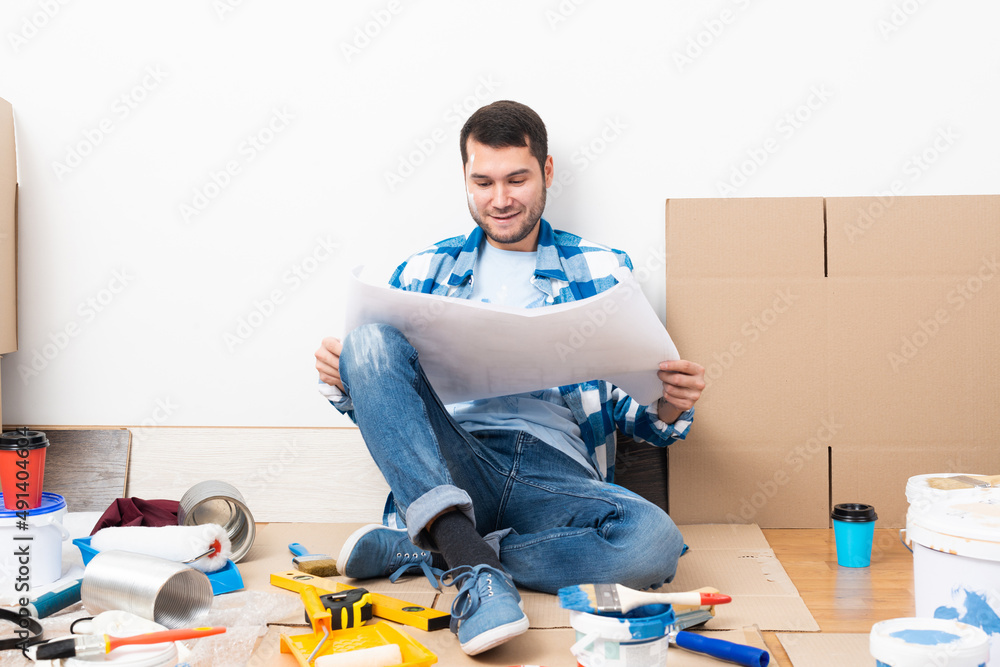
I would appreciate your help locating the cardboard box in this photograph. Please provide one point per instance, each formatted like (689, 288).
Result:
(848, 345)
(8, 233)
(914, 285)
(746, 299)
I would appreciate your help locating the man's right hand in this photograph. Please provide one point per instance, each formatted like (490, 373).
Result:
(328, 362)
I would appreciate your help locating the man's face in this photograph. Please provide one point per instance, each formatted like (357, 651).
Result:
(506, 189)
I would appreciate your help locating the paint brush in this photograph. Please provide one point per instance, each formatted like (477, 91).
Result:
(615, 598)
(84, 645)
(318, 565)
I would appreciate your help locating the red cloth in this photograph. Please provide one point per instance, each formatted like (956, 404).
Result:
(139, 512)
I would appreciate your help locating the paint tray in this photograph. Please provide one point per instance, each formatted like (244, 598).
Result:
(351, 639)
(226, 580)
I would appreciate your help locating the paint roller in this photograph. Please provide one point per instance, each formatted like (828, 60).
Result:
(205, 547)
(386, 655)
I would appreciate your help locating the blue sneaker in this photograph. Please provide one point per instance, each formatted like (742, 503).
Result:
(377, 551)
(488, 610)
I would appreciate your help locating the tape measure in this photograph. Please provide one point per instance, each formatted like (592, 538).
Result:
(391, 609)
(348, 609)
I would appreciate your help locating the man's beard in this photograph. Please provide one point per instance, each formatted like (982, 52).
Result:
(515, 235)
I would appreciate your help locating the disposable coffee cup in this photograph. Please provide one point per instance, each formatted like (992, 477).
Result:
(22, 468)
(854, 528)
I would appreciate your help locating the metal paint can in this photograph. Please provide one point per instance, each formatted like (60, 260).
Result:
(213, 501)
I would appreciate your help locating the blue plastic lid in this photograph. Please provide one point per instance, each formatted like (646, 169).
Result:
(51, 502)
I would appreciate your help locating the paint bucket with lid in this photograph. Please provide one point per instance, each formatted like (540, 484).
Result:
(928, 642)
(217, 502)
(925, 490)
(32, 546)
(956, 559)
(635, 639)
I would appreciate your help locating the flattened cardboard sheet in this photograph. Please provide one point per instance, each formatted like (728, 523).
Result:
(537, 647)
(762, 592)
(825, 649)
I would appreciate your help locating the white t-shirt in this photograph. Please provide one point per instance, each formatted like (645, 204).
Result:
(503, 278)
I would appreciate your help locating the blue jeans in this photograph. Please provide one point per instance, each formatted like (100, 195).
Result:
(552, 524)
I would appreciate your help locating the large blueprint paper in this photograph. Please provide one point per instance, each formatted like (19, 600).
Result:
(471, 350)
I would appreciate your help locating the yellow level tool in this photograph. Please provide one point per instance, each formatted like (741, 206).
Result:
(383, 606)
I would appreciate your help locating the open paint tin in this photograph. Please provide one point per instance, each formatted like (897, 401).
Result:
(635, 639)
(928, 642)
(217, 502)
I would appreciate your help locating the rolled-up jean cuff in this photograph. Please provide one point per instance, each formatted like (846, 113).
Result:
(494, 538)
(432, 503)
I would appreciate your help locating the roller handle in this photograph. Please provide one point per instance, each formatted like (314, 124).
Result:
(57, 600)
(161, 637)
(318, 615)
(297, 549)
(741, 654)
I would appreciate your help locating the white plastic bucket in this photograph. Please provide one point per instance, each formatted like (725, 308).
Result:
(956, 560)
(928, 642)
(923, 491)
(615, 641)
(34, 551)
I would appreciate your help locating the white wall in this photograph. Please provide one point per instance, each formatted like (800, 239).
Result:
(125, 109)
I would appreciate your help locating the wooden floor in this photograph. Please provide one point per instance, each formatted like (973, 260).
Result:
(843, 599)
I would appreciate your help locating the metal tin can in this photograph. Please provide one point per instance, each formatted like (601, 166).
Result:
(213, 501)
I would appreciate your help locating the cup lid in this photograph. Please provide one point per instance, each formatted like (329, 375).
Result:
(22, 438)
(853, 512)
(51, 502)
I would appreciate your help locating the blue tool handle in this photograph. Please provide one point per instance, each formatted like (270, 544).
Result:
(57, 600)
(741, 654)
(298, 549)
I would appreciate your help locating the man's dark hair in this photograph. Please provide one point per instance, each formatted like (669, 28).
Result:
(504, 124)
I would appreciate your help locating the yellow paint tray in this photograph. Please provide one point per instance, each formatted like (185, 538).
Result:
(351, 639)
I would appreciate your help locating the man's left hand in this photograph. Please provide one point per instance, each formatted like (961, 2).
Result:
(683, 382)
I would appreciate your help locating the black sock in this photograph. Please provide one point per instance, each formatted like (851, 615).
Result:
(457, 540)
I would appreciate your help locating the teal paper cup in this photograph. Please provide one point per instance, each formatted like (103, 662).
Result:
(854, 528)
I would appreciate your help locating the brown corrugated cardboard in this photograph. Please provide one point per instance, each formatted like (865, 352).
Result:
(857, 331)
(736, 559)
(8, 231)
(913, 302)
(746, 298)
(826, 649)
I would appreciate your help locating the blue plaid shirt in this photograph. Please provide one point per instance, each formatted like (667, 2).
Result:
(568, 268)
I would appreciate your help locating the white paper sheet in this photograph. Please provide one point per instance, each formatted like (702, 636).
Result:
(471, 350)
